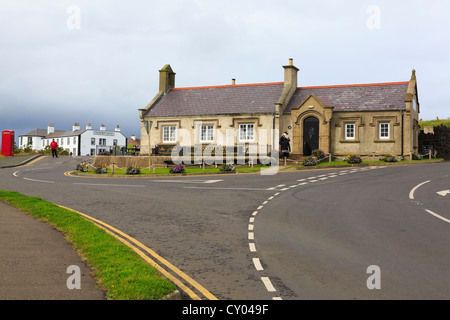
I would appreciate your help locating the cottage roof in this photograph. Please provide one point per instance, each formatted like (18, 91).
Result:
(35, 133)
(61, 134)
(360, 97)
(229, 99)
(261, 98)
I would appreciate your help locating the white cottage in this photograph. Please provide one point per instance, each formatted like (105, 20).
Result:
(79, 142)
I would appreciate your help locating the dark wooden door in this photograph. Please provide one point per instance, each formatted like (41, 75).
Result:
(310, 135)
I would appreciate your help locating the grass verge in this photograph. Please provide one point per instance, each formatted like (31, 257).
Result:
(117, 268)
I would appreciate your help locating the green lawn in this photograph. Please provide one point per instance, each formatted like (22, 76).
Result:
(117, 267)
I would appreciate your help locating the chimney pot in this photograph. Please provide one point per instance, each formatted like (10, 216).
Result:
(88, 126)
(233, 81)
(76, 126)
(50, 128)
(291, 61)
(102, 127)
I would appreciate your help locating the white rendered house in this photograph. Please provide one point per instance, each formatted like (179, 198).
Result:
(79, 142)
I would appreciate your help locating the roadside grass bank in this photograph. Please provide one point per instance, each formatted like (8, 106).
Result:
(116, 267)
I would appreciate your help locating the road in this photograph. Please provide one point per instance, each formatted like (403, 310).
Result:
(298, 235)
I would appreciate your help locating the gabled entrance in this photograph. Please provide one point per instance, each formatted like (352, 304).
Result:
(311, 124)
(310, 135)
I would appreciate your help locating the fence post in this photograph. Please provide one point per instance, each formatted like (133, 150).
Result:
(429, 154)
(410, 157)
(373, 157)
(203, 165)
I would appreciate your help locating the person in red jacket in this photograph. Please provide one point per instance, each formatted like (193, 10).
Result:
(54, 147)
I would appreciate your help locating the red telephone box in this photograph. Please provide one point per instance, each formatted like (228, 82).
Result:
(7, 143)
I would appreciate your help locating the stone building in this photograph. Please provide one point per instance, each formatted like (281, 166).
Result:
(362, 119)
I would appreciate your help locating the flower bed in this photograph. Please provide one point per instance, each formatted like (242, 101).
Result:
(310, 161)
(353, 159)
(389, 158)
(132, 170)
(179, 168)
(228, 167)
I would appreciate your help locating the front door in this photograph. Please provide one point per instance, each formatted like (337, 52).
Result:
(310, 135)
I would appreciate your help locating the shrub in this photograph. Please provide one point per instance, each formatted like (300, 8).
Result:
(267, 161)
(83, 167)
(132, 170)
(178, 169)
(228, 167)
(101, 169)
(389, 158)
(310, 161)
(319, 154)
(352, 159)
(416, 156)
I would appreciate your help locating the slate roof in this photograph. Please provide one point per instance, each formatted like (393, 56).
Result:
(69, 133)
(35, 133)
(365, 97)
(230, 99)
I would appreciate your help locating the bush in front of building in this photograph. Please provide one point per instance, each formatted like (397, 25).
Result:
(319, 154)
(132, 170)
(416, 156)
(83, 167)
(179, 168)
(101, 169)
(228, 167)
(310, 161)
(389, 158)
(267, 161)
(353, 159)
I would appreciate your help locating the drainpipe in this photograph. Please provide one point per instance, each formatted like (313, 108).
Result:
(273, 134)
(402, 133)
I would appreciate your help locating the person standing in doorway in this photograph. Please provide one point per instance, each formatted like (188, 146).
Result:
(54, 147)
(285, 145)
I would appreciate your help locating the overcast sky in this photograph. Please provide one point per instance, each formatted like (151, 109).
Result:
(98, 61)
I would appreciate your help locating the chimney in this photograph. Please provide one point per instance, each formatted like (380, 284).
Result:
(166, 79)
(133, 137)
(88, 126)
(117, 129)
(102, 127)
(233, 82)
(76, 126)
(50, 128)
(290, 74)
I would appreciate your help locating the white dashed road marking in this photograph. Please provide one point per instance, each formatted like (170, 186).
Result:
(251, 235)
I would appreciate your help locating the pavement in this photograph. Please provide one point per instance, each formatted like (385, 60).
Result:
(35, 257)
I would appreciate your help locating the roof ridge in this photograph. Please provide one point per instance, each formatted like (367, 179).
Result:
(356, 85)
(230, 86)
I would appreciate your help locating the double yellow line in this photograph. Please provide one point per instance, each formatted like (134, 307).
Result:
(139, 248)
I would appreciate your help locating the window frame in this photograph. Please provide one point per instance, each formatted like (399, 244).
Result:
(346, 131)
(382, 131)
(209, 133)
(172, 130)
(247, 137)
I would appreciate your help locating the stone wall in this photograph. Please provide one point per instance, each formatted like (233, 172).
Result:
(439, 140)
